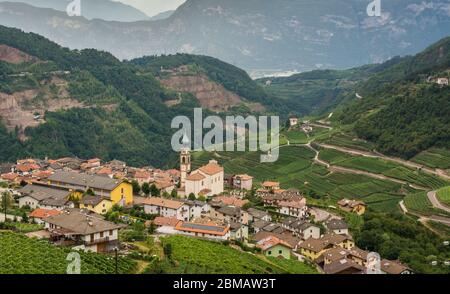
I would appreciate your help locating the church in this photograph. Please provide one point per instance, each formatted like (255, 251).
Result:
(206, 181)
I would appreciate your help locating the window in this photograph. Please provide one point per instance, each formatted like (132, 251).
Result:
(280, 251)
(111, 232)
(269, 252)
(101, 234)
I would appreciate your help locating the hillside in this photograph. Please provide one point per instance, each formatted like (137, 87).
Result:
(403, 110)
(56, 102)
(254, 34)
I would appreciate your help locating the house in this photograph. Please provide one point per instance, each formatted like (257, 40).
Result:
(97, 204)
(165, 225)
(259, 225)
(293, 121)
(242, 182)
(238, 232)
(39, 214)
(119, 192)
(206, 181)
(357, 207)
(442, 81)
(10, 177)
(293, 241)
(274, 228)
(301, 228)
(166, 208)
(355, 255)
(270, 186)
(209, 231)
(274, 247)
(256, 214)
(197, 209)
(337, 226)
(343, 266)
(230, 214)
(314, 248)
(230, 201)
(42, 196)
(294, 208)
(165, 186)
(142, 176)
(84, 229)
(394, 268)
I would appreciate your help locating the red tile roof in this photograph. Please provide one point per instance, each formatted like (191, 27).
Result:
(43, 213)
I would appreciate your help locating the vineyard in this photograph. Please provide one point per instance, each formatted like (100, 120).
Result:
(22, 255)
(444, 195)
(434, 158)
(195, 256)
(419, 203)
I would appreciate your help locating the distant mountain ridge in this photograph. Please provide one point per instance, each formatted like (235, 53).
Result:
(255, 34)
(93, 9)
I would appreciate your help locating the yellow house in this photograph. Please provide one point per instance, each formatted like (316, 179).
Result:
(314, 248)
(357, 207)
(96, 204)
(118, 191)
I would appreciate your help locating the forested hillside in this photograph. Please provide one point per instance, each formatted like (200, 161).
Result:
(92, 104)
(403, 110)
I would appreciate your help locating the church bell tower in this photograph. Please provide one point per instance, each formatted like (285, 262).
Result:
(185, 161)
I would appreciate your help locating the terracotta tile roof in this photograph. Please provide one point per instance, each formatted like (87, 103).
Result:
(142, 175)
(292, 204)
(204, 192)
(104, 171)
(245, 177)
(211, 168)
(392, 267)
(166, 221)
(9, 176)
(43, 213)
(172, 204)
(195, 177)
(343, 265)
(163, 185)
(269, 184)
(210, 229)
(42, 174)
(232, 201)
(270, 242)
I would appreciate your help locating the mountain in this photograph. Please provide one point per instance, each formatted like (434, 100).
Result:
(93, 9)
(58, 102)
(255, 34)
(162, 15)
(403, 109)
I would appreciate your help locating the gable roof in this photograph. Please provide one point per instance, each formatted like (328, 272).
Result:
(272, 241)
(93, 200)
(43, 213)
(41, 192)
(202, 228)
(392, 267)
(85, 180)
(195, 177)
(211, 168)
(342, 265)
(155, 201)
(336, 224)
(81, 222)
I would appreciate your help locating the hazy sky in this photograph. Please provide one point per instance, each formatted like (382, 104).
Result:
(152, 7)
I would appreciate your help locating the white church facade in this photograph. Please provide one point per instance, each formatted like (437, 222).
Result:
(206, 181)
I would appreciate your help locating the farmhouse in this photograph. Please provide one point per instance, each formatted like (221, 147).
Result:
(357, 207)
(39, 214)
(293, 121)
(78, 227)
(166, 208)
(119, 192)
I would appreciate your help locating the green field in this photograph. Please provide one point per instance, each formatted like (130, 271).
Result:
(295, 169)
(22, 255)
(444, 195)
(434, 158)
(195, 256)
(419, 203)
(345, 140)
(381, 166)
(296, 137)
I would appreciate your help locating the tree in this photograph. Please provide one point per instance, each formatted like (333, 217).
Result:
(174, 193)
(25, 217)
(152, 228)
(168, 251)
(192, 197)
(136, 187)
(154, 191)
(146, 189)
(202, 198)
(166, 195)
(6, 202)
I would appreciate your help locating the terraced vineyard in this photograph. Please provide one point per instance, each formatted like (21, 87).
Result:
(444, 195)
(434, 158)
(195, 256)
(344, 140)
(295, 169)
(22, 255)
(381, 166)
(420, 203)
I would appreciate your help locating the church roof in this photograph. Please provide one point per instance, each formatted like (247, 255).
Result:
(211, 168)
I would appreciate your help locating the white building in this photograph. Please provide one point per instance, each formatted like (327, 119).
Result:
(207, 231)
(296, 209)
(167, 208)
(337, 226)
(197, 209)
(206, 181)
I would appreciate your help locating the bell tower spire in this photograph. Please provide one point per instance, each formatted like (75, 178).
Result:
(185, 160)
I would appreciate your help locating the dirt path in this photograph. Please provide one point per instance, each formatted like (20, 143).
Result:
(435, 201)
(437, 172)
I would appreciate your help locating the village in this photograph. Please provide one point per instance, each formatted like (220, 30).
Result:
(77, 203)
